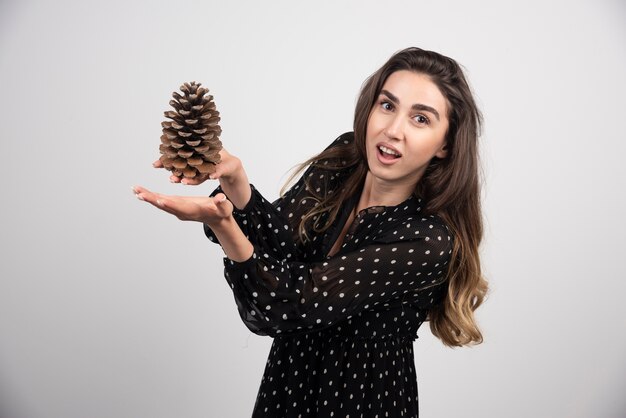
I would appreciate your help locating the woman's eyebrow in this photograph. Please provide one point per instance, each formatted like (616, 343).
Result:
(416, 106)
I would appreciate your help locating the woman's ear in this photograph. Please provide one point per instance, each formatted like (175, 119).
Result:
(443, 151)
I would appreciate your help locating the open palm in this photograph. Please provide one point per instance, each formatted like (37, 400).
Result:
(208, 210)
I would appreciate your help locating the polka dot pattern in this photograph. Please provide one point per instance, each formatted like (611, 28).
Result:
(343, 325)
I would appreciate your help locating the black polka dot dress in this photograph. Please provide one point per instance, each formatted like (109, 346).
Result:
(343, 325)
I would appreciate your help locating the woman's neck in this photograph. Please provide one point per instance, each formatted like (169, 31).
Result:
(379, 193)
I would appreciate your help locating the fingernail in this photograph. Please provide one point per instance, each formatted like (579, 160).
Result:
(223, 199)
(134, 191)
(140, 197)
(211, 177)
(160, 203)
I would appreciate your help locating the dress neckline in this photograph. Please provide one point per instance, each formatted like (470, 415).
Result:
(350, 208)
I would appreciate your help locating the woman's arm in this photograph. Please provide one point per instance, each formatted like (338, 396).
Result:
(233, 179)
(272, 226)
(234, 243)
(277, 297)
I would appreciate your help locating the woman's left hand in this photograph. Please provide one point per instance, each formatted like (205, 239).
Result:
(208, 210)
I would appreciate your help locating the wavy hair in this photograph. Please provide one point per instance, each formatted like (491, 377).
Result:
(450, 186)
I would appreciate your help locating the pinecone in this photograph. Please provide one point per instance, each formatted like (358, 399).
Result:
(190, 142)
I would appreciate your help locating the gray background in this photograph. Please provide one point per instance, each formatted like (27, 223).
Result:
(110, 308)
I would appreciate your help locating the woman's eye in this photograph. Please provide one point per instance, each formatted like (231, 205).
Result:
(386, 105)
(422, 119)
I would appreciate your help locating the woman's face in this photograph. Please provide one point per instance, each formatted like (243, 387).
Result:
(406, 129)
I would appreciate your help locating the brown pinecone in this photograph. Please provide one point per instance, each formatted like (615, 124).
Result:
(190, 141)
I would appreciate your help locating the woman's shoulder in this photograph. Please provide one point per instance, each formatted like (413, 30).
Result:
(334, 160)
(435, 226)
(324, 172)
(430, 233)
(343, 139)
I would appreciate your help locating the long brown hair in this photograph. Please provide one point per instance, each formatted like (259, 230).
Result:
(450, 187)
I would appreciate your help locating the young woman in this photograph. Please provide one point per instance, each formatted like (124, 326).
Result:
(380, 234)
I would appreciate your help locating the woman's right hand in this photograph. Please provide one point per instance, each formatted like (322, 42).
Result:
(227, 169)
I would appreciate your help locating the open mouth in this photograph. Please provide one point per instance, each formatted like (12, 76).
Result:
(387, 154)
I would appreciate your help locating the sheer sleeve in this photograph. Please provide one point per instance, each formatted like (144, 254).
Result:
(263, 224)
(272, 225)
(277, 297)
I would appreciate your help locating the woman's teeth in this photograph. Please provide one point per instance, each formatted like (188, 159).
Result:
(388, 151)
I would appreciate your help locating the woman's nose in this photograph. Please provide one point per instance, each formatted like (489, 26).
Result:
(395, 127)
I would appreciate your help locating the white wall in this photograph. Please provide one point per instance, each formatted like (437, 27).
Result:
(109, 308)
